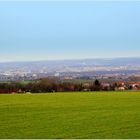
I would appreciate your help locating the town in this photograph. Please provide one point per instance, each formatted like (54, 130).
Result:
(70, 75)
(55, 84)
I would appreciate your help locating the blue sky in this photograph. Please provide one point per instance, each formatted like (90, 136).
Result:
(68, 30)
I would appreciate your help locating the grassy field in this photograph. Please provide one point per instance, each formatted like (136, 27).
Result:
(71, 115)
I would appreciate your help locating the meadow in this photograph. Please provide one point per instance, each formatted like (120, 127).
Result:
(70, 115)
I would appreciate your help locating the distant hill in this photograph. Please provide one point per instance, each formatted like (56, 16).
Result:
(77, 62)
(120, 67)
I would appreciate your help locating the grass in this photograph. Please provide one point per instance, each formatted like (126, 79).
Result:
(70, 115)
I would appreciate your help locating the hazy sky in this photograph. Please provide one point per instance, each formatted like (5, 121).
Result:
(68, 30)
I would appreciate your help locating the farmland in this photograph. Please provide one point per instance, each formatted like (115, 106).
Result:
(70, 115)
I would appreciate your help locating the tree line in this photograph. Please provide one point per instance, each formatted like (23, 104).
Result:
(47, 85)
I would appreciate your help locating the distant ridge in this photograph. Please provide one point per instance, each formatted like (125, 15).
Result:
(58, 65)
(93, 61)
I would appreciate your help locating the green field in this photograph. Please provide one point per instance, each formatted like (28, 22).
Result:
(71, 115)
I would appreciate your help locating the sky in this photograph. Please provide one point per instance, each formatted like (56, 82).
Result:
(54, 30)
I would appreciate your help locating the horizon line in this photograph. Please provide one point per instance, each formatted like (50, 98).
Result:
(69, 59)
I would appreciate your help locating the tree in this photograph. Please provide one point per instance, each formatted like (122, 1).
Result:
(97, 85)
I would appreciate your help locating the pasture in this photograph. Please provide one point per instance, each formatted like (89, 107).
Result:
(70, 115)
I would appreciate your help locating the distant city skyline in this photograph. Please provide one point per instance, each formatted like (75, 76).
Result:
(69, 30)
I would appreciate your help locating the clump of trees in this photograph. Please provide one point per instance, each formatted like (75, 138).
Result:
(47, 85)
